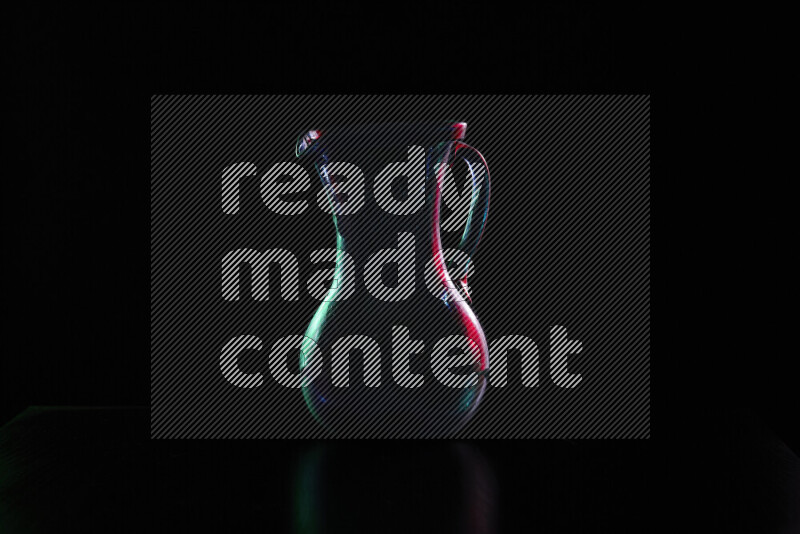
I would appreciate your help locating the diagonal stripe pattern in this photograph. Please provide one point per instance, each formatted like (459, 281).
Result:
(565, 260)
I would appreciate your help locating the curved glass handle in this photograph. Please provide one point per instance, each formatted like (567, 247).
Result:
(479, 205)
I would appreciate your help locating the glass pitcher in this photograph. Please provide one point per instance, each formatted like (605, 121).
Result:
(395, 349)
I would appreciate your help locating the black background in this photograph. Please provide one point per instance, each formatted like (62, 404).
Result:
(77, 217)
(76, 234)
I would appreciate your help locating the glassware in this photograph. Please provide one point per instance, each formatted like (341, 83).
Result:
(395, 352)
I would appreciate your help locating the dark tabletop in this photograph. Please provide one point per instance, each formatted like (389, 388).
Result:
(96, 470)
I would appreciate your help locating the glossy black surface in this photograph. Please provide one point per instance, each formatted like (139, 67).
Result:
(95, 470)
